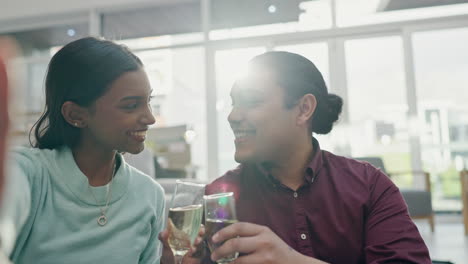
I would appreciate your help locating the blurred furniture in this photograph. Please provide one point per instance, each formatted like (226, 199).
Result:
(419, 201)
(169, 145)
(464, 197)
(172, 151)
(143, 161)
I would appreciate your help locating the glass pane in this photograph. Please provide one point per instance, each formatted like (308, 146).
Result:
(358, 12)
(245, 18)
(378, 123)
(28, 100)
(315, 52)
(441, 62)
(227, 63)
(36, 89)
(177, 79)
(37, 47)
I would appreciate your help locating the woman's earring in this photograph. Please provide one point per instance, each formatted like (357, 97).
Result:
(75, 124)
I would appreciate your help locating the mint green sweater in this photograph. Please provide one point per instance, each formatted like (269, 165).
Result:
(50, 217)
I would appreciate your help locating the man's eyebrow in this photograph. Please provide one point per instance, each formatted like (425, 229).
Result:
(131, 98)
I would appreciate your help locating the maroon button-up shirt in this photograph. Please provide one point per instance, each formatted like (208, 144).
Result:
(346, 212)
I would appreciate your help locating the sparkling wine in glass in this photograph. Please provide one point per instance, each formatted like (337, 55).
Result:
(220, 211)
(185, 216)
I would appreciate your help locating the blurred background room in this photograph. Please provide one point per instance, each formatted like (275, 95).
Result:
(401, 67)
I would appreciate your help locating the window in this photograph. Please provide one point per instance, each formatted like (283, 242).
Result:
(378, 123)
(440, 66)
(177, 79)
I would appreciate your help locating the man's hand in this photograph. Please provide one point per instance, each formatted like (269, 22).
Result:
(259, 243)
(190, 258)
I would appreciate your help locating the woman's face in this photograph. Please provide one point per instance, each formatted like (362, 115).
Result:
(120, 118)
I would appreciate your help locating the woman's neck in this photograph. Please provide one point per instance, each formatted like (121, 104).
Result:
(97, 165)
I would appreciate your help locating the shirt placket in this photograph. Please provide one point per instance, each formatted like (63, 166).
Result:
(302, 229)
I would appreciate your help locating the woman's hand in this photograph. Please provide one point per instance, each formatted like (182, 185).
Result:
(192, 257)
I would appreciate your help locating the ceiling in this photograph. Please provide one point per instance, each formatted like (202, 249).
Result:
(169, 18)
(176, 17)
(45, 38)
(392, 5)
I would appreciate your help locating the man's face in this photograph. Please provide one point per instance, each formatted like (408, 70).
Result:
(264, 129)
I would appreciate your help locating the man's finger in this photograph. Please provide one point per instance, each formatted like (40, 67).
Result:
(244, 245)
(238, 229)
(248, 259)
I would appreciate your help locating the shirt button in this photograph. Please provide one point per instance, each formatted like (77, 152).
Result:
(295, 194)
(303, 236)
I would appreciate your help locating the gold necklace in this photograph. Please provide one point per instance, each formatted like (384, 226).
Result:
(102, 219)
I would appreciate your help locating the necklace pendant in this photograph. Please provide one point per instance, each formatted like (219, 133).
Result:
(102, 220)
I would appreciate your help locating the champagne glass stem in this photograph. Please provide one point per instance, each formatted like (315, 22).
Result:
(178, 259)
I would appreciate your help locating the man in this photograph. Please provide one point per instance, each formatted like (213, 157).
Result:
(296, 202)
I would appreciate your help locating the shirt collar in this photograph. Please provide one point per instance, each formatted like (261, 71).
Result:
(310, 173)
(316, 162)
(78, 183)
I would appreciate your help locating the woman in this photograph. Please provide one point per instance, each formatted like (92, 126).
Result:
(72, 198)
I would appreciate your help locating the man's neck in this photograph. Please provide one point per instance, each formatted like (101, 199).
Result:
(290, 170)
(95, 163)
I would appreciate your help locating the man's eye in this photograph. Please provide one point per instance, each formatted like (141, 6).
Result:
(249, 102)
(130, 106)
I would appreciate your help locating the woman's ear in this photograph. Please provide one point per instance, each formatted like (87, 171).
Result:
(307, 105)
(74, 114)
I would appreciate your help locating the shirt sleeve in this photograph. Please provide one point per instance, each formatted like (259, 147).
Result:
(391, 236)
(16, 202)
(153, 250)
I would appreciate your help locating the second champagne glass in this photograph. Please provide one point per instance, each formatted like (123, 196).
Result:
(220, 211)
(185, 216)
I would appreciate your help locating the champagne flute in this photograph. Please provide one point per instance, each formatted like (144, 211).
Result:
(220, 211)
(185, 216)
